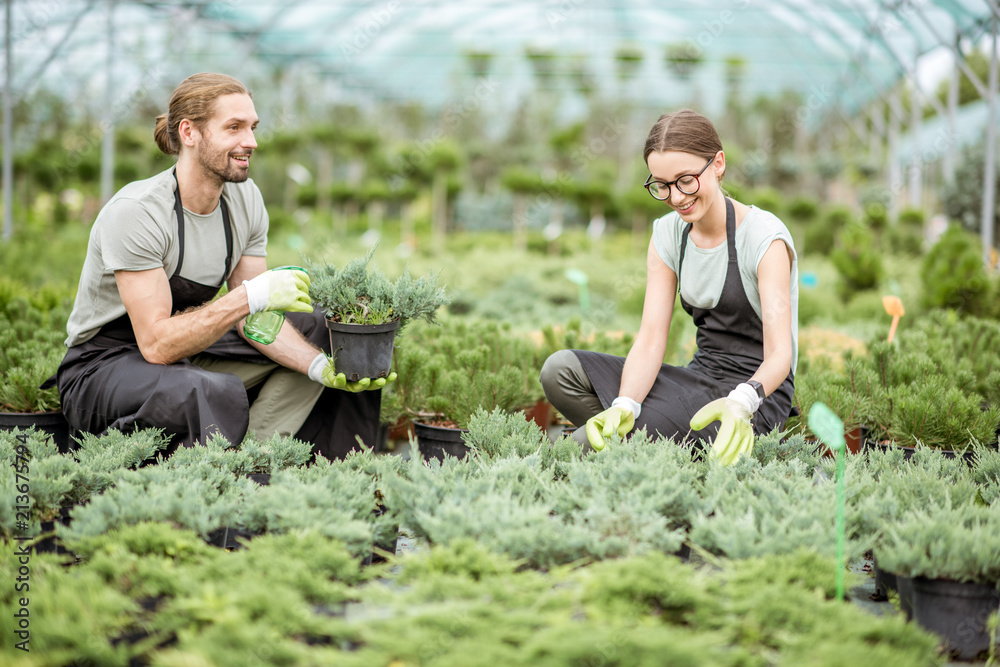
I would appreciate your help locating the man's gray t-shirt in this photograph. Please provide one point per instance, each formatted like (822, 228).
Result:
(704, 271)
(137, 231)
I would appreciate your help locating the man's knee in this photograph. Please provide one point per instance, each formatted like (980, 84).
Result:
(212, 387)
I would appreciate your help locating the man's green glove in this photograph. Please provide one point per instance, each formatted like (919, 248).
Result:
(735, 436)
(322, 370)
(619, 418)
(279, 289)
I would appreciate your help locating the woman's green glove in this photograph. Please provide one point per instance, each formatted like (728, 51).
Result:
(616, 419)
(735, 436)
(322, 370)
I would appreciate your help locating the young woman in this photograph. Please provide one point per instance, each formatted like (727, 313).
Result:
(735, 268)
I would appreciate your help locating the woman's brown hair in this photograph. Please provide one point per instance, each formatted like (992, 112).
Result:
(685, 131)
(193, 99)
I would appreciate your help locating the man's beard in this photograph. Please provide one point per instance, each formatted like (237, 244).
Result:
(217, 165)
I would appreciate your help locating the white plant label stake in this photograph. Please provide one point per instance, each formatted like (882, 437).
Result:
(579, 278)
(829, 429)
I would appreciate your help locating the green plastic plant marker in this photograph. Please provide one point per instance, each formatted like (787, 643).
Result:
(578, 277)
(829, 429)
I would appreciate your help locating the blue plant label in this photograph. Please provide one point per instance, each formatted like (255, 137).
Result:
(827, 426)
(809, 280)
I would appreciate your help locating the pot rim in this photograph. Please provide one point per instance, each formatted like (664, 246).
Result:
(363, 328)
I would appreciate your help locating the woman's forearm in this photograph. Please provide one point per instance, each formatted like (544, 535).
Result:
(642, 365)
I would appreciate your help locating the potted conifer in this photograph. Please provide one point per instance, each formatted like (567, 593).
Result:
(449, 373)
(925, 393)
(31, 347)
(952, 557)
(366, 310)
(935, 387)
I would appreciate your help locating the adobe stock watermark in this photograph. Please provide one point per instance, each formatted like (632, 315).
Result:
(904, 9)
(712, 29)
(124, 106)
(581, 157)
(607, 651)
(371, 27)
(266, 131)
(942, 141)
(819, 97)
(604, 312)
(453, 116)
(445, 640)
(562, 11)
(39, 17)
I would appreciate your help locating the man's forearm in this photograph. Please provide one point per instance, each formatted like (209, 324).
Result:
(192, 331)
(289, 349)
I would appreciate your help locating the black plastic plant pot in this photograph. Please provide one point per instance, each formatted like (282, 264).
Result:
(388, 543)
(53, 544)
(904, 586)
(957, 612)
(908, 452)
(260, 478)
(884, 581)
(362, 350)
(226, 537)
(53, 423)
(436, 442)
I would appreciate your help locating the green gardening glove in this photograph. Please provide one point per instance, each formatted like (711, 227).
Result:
(322, 370)
(615, 419)
(735, 436)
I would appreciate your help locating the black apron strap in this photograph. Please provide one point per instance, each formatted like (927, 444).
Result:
(179, 212)
(229, 238)
(730, 239)
(680, 261)
(731, 231)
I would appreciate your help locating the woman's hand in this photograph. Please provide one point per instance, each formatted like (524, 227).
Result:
(735, 436)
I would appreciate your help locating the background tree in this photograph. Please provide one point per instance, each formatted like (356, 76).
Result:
(523, 183)
(443, 160)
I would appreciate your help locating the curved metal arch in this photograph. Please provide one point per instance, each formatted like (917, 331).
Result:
(856, 61)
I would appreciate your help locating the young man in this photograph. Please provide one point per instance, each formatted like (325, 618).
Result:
(151, 346)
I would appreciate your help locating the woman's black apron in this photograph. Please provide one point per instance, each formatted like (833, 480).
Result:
(105, 383)
(730, 340)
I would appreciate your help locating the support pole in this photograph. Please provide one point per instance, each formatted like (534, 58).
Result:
(949, 155)
(960, 60)
(8, 119)
(877, 136)
(990, 175)
(108, 136)
(916, 169)
(895, 169)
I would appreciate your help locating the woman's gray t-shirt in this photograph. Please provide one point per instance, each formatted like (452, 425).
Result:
(704, 271)
(137, 231)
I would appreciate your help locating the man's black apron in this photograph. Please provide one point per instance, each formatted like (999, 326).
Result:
(105, 383)
(730, 342)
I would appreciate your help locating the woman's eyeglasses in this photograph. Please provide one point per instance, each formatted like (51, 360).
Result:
(687, 184)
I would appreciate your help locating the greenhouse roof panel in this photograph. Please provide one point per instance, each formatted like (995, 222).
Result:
(420, 50)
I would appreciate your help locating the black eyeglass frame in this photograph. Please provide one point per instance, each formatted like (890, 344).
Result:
(697, 182)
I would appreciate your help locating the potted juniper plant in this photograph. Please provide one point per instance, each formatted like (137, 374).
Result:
(919, 394)
(462, 390)
(952, 557)
(366, 310)
(31, 347)
(451, 372)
